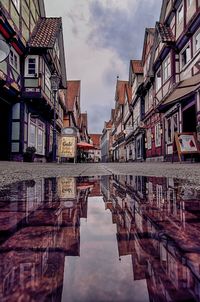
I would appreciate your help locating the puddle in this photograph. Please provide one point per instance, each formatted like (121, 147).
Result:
(119, 238)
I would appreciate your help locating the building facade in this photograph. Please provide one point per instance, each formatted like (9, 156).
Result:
(26, 102)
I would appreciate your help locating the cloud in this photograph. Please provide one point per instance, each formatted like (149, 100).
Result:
(122, 28)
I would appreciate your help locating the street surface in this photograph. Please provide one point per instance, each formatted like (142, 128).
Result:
(14, 171)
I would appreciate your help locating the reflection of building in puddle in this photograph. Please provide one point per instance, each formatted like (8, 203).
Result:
(158, 228)
(39, 226)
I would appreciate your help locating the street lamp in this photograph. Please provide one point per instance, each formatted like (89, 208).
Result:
(55, 81)
(4, 50)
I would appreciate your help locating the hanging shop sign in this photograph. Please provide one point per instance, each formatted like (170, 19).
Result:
(67, 188)
(68, 143)
(68, 147)
(185, 143)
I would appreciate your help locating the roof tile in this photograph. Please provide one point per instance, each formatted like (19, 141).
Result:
(137, 66)
(165, 32)
(45, 33)
(73, 92)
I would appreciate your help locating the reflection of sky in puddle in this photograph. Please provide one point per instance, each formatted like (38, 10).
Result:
(119, 238)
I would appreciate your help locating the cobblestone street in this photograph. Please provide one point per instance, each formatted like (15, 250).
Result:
(13, 171)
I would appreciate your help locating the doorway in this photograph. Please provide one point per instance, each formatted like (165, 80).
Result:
(189, 119)
(4, 130)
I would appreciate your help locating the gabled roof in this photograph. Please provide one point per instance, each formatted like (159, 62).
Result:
(96, 139)
(45, 33)
(108, 124)
(84, 121)
(128, 92)
(137, 66)
(148, 31)
(120, 91)
(73, 92)
(165, 33)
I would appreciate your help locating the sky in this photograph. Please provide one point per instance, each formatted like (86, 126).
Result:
(101, 37)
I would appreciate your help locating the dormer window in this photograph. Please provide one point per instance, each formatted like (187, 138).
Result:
(31, 66)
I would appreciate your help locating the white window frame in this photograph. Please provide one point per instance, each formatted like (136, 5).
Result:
(197, 34)
(158, 135)
(39, 126)
(27, 74)
(158, 80)
(180, 13)
(167, 68)
(14, 60)
(181, 56)
(16, 4)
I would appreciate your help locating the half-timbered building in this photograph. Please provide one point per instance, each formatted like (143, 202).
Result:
(26, 103)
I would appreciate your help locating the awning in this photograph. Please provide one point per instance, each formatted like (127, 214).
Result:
(85, 146)
(185, 89)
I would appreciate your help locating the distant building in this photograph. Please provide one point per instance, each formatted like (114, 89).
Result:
(95, 154)
(105, 142)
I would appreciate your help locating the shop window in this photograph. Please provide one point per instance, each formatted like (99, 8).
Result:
(197, 42)
(166, 69)
(185, 55)
(14, 59)
(169, 130)
(31, 66)
(158, 80)
(37, 135)
(180, 13)
(172, 127)
(149, 139)
(158, 135)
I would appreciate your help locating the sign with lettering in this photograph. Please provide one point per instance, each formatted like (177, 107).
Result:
(67, 188)
(68, 147)
(185, 143)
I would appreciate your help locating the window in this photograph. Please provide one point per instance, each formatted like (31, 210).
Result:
(169, 130)
(37, 135)
(31, 66)
(180, 14)
(185, 56)
(197, 42)
(158, 80)
(158, 135)
(14, 59)
(16, 4)
(166, 69)
(172, 127)
(149, 139)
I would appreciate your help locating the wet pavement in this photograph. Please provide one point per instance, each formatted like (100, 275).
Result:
(103, 238)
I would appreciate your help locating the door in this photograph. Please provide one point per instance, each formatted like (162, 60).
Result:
(189, 119)
(4, 130)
